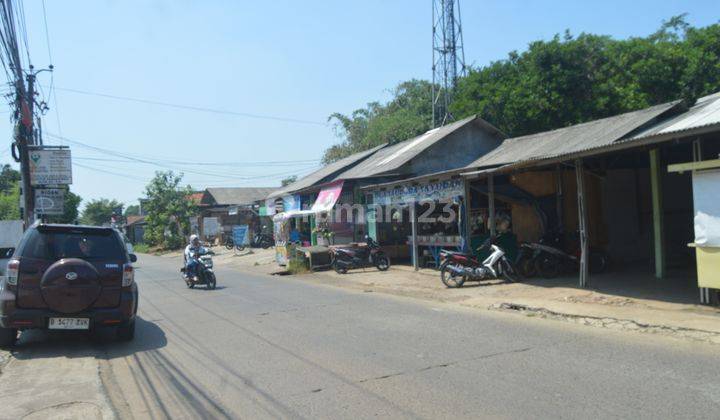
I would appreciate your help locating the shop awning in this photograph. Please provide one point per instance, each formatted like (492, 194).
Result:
(327, 197)
(294, 213)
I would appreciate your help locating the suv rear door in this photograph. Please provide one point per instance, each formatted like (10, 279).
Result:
(47, 244)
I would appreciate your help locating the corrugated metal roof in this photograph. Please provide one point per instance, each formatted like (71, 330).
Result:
(393, 157)
(238, 195)
(704, 113)
(321, 174)
(572, 139)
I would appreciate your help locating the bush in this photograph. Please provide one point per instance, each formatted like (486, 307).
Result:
(141, 248)
(298, 266)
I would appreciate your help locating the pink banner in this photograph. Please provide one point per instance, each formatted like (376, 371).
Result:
(328, 197)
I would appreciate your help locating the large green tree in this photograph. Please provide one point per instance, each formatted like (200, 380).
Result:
(9, 193)
(99, 212)
(555, 83)
(168, 210)
(406, 115)
(132, 210)
(569, 80)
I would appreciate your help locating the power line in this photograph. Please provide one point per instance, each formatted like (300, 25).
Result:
(224, 175)
(193, 107)
(52, 94)
(144, 158)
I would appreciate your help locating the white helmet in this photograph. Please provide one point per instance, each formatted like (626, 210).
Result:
(194, 238)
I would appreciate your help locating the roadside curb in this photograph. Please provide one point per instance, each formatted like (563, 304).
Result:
(611, 323)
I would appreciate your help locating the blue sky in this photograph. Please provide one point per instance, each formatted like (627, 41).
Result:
(294, 59)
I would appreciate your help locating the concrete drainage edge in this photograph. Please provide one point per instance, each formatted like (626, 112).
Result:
(612, 323)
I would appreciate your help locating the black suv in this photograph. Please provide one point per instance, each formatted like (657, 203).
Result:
(66, 277)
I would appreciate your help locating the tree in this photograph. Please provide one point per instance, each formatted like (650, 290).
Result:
(289, 180)
(8, 178)
(99, 212)
(9, 193)
(406, 115)
(168, 210)
(132, 210)
(569, 80)
(10, 203)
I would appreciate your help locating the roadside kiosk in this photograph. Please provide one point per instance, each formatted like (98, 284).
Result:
(706, 204)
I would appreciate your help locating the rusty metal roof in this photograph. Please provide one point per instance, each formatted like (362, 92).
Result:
(394, 156)
(322, 174)
(573, 139)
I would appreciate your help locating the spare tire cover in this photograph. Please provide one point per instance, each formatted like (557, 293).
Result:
(70, 285)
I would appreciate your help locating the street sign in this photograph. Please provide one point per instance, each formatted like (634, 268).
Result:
(49, 201)
(240, 234)
(50, 167)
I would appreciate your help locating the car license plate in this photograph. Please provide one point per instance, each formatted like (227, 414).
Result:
(69, 324)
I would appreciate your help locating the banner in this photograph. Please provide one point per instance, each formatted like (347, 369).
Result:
(240, 234)
(706, 188)
(291, 202)
(327, 197)
(436, 191)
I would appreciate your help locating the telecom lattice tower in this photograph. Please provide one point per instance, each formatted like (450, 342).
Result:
(448, 57)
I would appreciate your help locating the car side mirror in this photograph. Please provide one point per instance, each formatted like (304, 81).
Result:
(133, 258)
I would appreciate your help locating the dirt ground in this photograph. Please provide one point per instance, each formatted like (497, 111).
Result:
(618, 305)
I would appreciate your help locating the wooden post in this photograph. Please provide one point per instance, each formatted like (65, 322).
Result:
(466, 216)
(582, 223)
(413, 224)
(559, 197)
(491, 205)
(656, 188)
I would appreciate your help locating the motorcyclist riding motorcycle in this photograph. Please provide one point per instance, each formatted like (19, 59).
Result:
(194, 248)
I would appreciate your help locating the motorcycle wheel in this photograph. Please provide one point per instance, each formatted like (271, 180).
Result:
(339, 268)
(382, 263)
(449, 278)
(526, 267)
(598, 262)
(228, 245)
(266, 244)
(211, 282)
(547, 266)
(508, 272)
(190, 284)
(240, 247)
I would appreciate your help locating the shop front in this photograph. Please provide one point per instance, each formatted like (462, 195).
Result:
(415, 219)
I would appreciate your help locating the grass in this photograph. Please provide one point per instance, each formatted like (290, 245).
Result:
(297, 266)
(141, 248)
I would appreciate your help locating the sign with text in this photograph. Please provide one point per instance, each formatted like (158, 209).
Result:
(240, 234)
(50, 167)
(436, 191)
(49, 201)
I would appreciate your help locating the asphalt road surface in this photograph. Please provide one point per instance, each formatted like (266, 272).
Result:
(276, 347)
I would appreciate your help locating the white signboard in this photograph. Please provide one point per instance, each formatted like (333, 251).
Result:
(49, 201)
(211, 227)
(706, 190)
(50, 167)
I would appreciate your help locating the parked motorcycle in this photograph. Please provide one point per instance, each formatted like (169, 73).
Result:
(370, 255)
(457, 267)
(230, 244)
(263, 240)
(547, 258)
(205, 275)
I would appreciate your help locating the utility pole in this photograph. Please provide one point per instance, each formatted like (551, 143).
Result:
(25, 139)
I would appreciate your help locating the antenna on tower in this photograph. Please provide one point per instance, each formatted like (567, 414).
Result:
(448, 57)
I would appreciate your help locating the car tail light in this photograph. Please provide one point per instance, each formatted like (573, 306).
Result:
(13, 267)
(128, 275)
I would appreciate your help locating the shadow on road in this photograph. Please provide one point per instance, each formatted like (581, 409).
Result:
(39, 344)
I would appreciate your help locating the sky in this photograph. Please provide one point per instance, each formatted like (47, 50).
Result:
(286, 60)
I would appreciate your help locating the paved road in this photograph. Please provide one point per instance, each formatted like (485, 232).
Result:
(261, 347)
